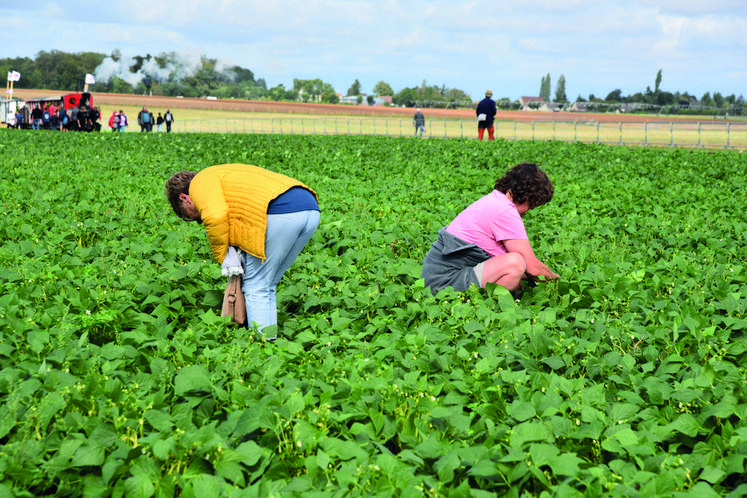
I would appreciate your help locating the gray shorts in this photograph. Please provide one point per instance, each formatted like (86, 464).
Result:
(479, 269)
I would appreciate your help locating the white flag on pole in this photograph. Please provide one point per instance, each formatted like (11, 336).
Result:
(90, 80)
(14, 76)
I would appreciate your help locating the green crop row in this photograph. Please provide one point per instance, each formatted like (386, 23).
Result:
(118, 377)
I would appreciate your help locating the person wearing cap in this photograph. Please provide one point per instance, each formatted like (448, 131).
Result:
(418, 120)
(486, 111)
(257, 222)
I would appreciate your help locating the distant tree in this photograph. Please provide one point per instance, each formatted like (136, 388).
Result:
(329, 96)
(580, 99)
(560, 90)
(279, 93)
(355, 88)
(545, 86)
(406, 97)
(614, 96)
(370, 99)
(241, 74)
(718, 99)
(665, 98)
(456, 95)
(706, 100)
(383, 88)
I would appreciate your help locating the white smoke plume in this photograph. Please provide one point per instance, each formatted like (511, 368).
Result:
(178, 67)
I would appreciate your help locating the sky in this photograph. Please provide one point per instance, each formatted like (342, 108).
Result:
(503, 46)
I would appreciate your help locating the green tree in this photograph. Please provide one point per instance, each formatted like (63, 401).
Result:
(406, 97)
(383, 88)
(718, 99)
(355, 88)
(614, 96)
(560, 90)
(657, 83)
(545, 86)
(329, 96)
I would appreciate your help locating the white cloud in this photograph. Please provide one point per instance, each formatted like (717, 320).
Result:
(597, 46)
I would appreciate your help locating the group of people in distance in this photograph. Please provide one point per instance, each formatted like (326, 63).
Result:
(118, 121)
(52, 117)
(258, 221)
(485, 111)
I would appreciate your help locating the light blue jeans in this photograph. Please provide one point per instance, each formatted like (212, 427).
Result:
(286, 236)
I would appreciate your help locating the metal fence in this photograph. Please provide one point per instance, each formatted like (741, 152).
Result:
(697, 134)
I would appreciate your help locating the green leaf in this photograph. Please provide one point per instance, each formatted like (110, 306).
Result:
(89, 455)
(159, 420)
(566, 464)
(527, 432)
(522, 410)
(193, 378)
(446, 465)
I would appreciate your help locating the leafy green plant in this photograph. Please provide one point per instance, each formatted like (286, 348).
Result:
(119, 377)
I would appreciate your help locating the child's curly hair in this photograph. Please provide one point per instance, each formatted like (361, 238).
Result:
(527, 183)
(176, 185)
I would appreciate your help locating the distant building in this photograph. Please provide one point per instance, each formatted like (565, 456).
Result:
(539, 103)
(353, 99)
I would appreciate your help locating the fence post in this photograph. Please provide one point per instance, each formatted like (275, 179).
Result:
(514, 131)
(532, 130)
(575, 131)
(645, 134)
(728, 135)
(621, 132)
(553, 130)
(699, 144)
(671, 134)
(597, 131)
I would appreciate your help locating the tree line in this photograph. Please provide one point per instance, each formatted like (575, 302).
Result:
(670, 102)
(166, 75)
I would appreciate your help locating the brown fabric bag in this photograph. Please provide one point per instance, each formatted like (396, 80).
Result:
(234, 304)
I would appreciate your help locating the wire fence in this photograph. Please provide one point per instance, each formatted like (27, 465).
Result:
(696, 134)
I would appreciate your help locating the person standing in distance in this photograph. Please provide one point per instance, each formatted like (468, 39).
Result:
(486, 111)
(255, 219)
(418, 120)
(168, 118)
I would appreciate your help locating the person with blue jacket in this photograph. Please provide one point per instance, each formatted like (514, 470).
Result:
(486, 111)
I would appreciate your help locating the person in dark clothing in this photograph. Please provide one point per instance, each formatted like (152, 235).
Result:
(486, 111)
(168, 118)
(418, 120)
(36, 117)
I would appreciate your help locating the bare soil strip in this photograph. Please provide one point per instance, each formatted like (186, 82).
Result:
(115, 99)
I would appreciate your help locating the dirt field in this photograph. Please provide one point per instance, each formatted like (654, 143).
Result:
(102, 99)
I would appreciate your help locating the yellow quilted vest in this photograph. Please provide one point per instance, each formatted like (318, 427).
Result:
(232, 200)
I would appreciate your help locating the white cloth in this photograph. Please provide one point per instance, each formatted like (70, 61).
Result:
(232, 262)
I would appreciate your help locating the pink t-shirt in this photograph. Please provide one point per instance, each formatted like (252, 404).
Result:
(487, 222)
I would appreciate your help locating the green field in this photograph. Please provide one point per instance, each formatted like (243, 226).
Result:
(625, 377)
(695, 132)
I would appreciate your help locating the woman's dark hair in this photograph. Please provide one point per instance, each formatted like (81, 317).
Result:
(176, 185)
(527, 183)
